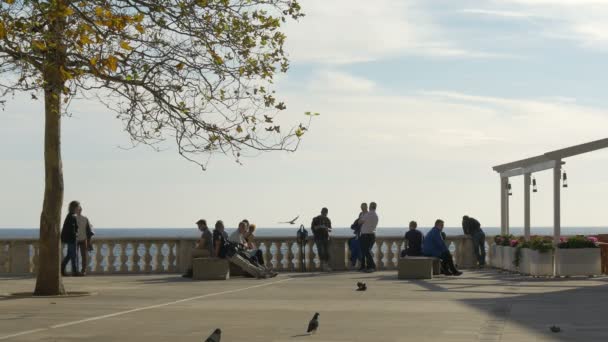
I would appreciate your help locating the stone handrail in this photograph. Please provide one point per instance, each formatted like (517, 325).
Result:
(128, 255)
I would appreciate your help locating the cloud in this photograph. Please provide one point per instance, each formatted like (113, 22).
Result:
(583, 21)
(347, 31)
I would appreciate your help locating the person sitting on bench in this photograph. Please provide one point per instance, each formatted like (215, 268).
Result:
(413, 241)
(204, 246)
(236, 254)
(434, 246)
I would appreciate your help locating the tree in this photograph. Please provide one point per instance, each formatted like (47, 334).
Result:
(196, 71)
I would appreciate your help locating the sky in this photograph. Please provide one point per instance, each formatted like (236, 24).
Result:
(418, 100)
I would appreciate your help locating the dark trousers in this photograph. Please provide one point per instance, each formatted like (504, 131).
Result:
(322, 249)
(355, 251)
(70, 257)
(479, 247)
(84, 253)
(367, 243)
(447, 263)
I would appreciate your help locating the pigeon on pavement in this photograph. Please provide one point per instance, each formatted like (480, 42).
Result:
(313, 325)
(361, 286)
(215, 337)
(555, 329)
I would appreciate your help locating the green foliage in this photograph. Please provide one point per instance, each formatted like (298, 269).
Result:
(197, 72)
(578, 241)
(542, 244)
(503, 240)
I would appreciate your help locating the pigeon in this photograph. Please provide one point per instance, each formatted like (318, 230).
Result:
(314, 324)
(555, 329)
(215, 337)
(292, 222)
(361, 286)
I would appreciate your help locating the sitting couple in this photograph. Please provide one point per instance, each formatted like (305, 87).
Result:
(217, 244)
(431, 245)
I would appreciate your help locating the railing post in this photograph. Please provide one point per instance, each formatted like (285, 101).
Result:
(464, 252)
(19, 256)
(184, 255)
(337, 254)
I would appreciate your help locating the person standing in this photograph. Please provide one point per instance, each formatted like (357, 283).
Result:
(433, 245)
(354, 243)
(413, 241)
(472, 227)
(321, 227)
(83, 236)
(68, 237)
(369, 223)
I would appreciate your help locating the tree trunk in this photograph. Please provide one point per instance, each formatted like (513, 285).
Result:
(49, 281)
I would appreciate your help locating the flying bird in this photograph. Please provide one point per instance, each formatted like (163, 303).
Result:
(313, 325)
(361, 286)
(555, 329)
(292, 222)
(215, 337)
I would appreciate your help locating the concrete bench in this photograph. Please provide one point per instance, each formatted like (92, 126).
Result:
(418, 267)
(210, 269)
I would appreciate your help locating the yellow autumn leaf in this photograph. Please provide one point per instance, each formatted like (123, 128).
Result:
(239, 129)
(139, 28)
(179, 66)
(2, 30)
(93, 61)
(84, 39)
(66, 75)
(98, 11)
(10, 2)
(68, 11)
(125, 45)
(39, 45)
(112, 63)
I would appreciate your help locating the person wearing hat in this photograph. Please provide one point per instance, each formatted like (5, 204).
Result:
(204, 245)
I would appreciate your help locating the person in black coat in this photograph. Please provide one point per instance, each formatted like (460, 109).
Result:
(68, 237)
(472, 228)
(413, 240)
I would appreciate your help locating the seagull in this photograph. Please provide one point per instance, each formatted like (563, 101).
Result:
(215, 337)
(292, 222)
(313, 325)
(361, 286)
(555, 329)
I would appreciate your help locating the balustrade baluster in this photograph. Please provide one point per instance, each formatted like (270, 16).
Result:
(111, 257)
(172, 257)
(147, 257)
(124, 258)
(158, 258)
(98, 257)
(291, 266)
(136, 268)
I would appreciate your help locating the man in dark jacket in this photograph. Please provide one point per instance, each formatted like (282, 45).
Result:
(321, 227)
(433, 245)
(472, 227)
(68, 237)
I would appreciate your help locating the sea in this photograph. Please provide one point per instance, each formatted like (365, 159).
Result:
(33, 233)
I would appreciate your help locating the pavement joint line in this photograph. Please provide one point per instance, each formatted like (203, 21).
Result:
(120, 313)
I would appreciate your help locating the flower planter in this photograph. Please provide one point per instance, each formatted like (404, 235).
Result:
(508, 257)
(540, 264)
(496, 256)
(524, 260)
(577, 261)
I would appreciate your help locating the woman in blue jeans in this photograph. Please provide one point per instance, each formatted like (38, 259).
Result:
(68, 237)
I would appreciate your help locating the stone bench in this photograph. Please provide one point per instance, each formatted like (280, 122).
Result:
(418, 267)
(210, 269)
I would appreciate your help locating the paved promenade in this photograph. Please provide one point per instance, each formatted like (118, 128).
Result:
(479, 306)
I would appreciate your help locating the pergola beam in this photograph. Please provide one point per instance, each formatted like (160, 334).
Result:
(531, 169)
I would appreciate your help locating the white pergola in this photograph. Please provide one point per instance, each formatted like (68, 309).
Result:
(526, 167)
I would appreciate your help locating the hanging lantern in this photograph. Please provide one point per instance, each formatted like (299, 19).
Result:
(565, 179)
(509, 188)
(534, 187)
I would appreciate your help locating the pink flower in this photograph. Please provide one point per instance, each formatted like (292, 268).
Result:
(514, 243)
(563, 239)
(593, 239)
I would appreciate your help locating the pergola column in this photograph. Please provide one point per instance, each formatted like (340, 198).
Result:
(557, 177)
(504, 206)
(527, 181)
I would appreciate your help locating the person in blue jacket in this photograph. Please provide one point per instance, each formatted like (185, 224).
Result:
(433, 245)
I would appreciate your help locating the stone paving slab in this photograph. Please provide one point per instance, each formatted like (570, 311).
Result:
(479, 306)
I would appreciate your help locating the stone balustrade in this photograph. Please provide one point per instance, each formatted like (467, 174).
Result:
(172, 255)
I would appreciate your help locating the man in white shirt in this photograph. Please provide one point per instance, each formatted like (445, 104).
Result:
(238, 236)
(83, 237)
(369, 223)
